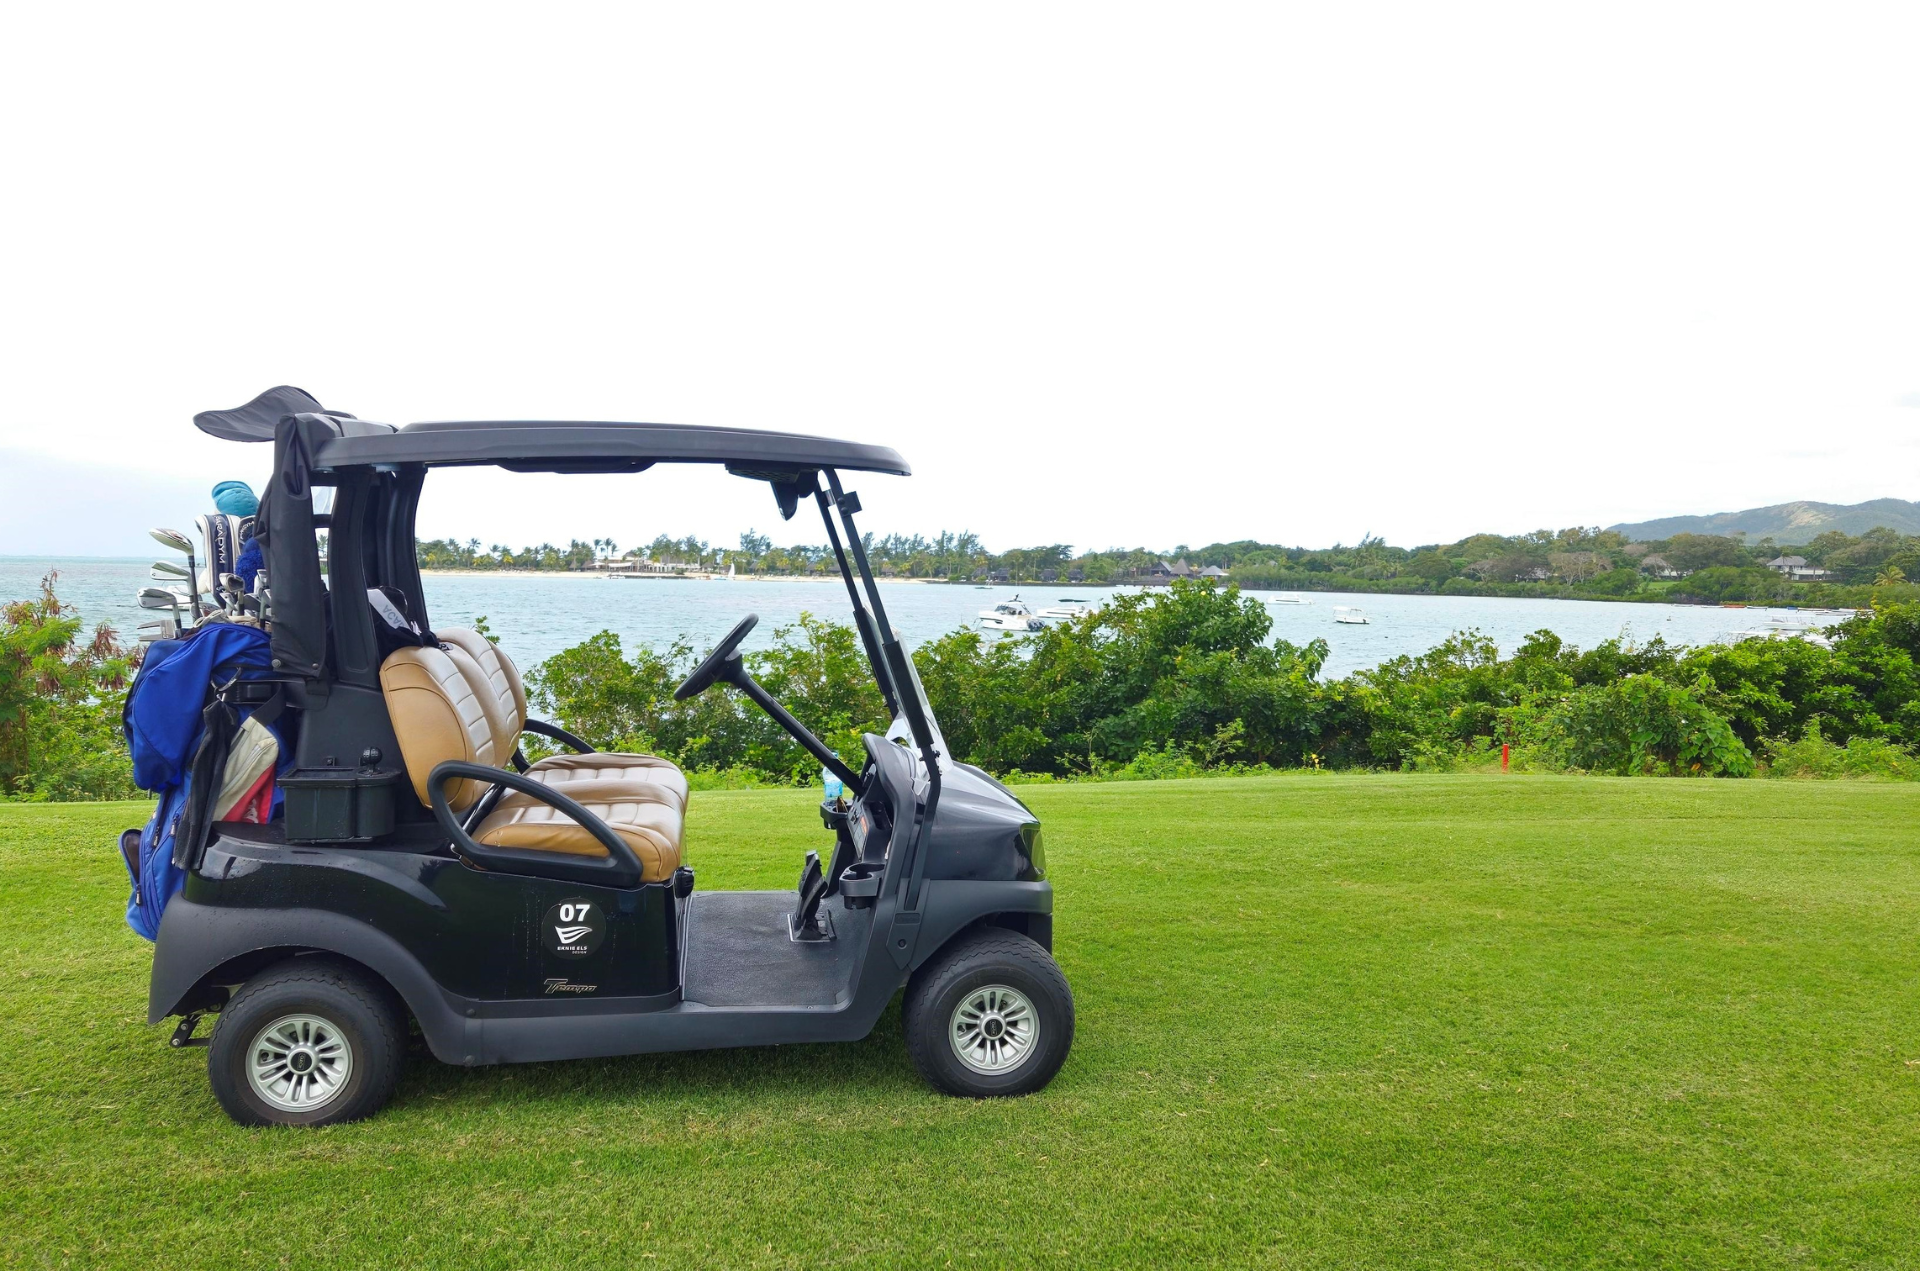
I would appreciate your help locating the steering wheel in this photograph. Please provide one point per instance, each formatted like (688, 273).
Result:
(709, 670)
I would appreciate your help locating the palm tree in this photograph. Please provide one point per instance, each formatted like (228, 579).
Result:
(1889, 576)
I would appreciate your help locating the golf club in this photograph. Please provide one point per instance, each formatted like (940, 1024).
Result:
(161, 598)
(168, 569)
(181, 543)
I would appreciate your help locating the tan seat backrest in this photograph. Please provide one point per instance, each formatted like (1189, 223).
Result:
(437, 716)
(502, 693)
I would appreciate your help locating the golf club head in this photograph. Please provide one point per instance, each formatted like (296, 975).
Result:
(233, 584)
(169, 569)
(172, 538)
(161, 598)
(158, 629)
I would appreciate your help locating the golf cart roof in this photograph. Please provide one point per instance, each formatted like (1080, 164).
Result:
(558, 445)
(545, 445)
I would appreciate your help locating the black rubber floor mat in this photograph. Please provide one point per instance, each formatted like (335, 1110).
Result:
(739, 954)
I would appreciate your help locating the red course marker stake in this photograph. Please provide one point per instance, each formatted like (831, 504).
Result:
(1506, 753)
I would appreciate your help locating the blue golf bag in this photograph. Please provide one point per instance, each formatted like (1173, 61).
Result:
(186, 705)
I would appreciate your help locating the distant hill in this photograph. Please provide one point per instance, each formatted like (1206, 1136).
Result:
(1787, 522)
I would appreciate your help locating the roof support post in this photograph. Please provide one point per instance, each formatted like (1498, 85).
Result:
(869, 634)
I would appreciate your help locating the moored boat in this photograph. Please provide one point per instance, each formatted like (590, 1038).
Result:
(1011, 615)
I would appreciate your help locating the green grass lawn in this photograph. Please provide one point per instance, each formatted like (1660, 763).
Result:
(1323, 1021)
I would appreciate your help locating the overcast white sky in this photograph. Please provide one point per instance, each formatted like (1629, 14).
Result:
(1104, 274)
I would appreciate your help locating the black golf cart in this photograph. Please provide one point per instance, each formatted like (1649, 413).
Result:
(519, 912)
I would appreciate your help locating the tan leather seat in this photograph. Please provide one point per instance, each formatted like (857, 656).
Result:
(437, 716)
(646, 816)
(565, 771)
(504, 696)
(443, 706)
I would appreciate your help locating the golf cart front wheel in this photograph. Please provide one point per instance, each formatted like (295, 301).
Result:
(308, 1042)
(989, 1015)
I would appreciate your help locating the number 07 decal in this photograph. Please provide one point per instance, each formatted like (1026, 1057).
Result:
(573, 928)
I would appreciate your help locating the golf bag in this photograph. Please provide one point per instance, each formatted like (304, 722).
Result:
(192, 699)
(149, 857)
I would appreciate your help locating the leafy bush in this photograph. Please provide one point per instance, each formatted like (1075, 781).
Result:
(60, 700)
(1862, 757)
(1146, 671)
(1640, 725)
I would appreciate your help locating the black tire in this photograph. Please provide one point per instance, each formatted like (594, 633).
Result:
(365, 1018)
(972, 966)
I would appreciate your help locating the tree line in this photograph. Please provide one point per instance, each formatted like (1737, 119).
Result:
(1580, 562)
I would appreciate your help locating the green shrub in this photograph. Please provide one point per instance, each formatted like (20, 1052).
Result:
(1640, 725)
(1871, 758)
(60, 701)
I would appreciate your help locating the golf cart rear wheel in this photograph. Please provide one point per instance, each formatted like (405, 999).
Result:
(989, 1015)
(306, 1042)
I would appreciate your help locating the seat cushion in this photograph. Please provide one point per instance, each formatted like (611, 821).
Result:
(567, 770)
(648, 817)
(437, 716)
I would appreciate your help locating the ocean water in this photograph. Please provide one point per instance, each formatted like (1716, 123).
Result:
(536, 615)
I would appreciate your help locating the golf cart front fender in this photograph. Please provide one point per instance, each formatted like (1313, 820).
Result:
(953, 905)
(198, 945)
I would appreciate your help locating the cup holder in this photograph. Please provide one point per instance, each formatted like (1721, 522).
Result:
(859, 884)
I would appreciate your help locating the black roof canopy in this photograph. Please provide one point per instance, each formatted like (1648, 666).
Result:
(600, 445)
(541, 445)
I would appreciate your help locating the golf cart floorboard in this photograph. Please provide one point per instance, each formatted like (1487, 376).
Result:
(739, 952)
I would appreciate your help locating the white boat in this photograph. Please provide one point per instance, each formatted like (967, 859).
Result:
(1288, 598)
(1066, 611)
(1350, 616)
(1011, 615)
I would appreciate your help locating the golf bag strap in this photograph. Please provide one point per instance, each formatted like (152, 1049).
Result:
(268, 713)
(218, 723)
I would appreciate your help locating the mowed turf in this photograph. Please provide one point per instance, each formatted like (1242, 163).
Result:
(1323, 1021)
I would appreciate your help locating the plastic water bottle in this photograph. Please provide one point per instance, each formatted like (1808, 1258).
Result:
(832, 785)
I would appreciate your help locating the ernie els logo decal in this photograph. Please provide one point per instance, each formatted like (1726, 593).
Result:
(573, 929)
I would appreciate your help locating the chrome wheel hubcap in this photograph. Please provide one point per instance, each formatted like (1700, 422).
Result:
(994, 1029)
(299, 1063)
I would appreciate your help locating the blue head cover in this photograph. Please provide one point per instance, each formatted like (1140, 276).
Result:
(235, 498)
